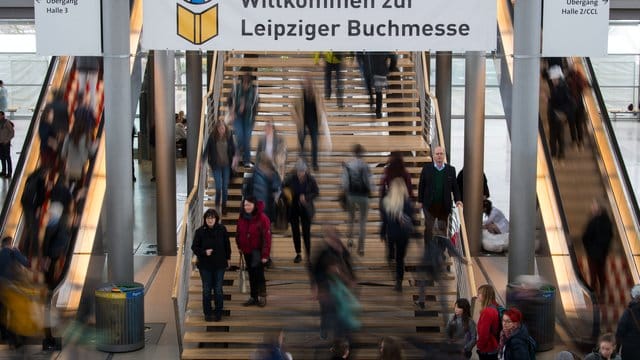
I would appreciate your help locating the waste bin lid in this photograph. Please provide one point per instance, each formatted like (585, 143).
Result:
(120, 290)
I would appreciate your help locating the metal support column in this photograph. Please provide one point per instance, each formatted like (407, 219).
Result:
(524, 137)
(443, 93)
(117, 113)
(474, 147)
(194, 106)
(164, 105)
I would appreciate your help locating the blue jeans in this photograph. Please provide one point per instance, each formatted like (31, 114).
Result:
(221, 176)
(212, 281)
(362, 203)
(243, 129)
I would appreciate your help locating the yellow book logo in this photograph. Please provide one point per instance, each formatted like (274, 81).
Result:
(195, 27)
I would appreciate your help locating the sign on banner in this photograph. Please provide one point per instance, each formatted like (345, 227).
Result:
(68, 27)
(575, 28)
(292, 25)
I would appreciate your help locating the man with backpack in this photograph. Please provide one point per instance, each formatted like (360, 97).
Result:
(7, 133)
(356, 184)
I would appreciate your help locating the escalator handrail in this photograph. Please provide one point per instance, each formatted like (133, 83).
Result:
(561, 212)
(11, 192)
(613, 141)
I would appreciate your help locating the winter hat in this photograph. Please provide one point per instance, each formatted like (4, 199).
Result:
(301, 166)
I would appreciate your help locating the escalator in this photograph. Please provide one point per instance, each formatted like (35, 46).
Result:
(565, 191)
(72, 269)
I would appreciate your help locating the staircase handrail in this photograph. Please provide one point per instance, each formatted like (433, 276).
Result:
(434, 136)
(194, 206)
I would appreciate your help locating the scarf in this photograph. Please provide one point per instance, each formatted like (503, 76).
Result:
(504, 336)
(247, 216)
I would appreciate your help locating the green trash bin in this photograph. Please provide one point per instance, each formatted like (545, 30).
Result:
(120, 317)
(538, 307)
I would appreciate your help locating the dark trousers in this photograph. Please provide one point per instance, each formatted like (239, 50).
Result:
(556, 135)
(300, 216)
(5, 158)
(255, 268)
(313, 135)
(398, 246)
(576, 123)
(597, 275)
(429, 221)
(212, 282)
(378, 104)
(328, 69)
(31, 227)
(488, 356)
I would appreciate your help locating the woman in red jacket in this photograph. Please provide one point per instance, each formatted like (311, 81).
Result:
(488, 324)
(253, 237)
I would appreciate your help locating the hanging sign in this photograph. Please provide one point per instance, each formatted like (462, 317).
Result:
(68, 27)
(575, 28)
(292, 25)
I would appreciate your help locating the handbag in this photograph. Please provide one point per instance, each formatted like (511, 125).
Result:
(243, 276)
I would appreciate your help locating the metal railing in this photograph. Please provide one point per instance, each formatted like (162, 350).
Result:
(194, 206)
(433, 135)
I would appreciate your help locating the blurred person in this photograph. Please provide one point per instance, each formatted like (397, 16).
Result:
(264, 184)
(181, 136)
(57, 232)
(88, 68)
(433, 260)
(273, 348)
(397, 226)
(273, 146)
(356, 184)
(332, 63)
(301, 190)
(7, 132)
(84, 116)
(597, 243)
(10, 260)
(394, 168)
(485, 184)
(309, 117)
(4, 97)
(488, 324)
(391, 349)
(244, 107)
(515, 342)
(51, 128)
(213, 250)
(437, 183)
(364, 65)
(10, 257)
(560, 102)
(332, 267)
(577, 83)
(606, 349)
(628, 331)
(340, 349)
(75, 152)
(461, 329)
(495, 221)
(220, 152)
(380, 64)
(32, 199)
(253, 237)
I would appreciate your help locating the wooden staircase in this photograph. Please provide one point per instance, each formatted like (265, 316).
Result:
(290, 305)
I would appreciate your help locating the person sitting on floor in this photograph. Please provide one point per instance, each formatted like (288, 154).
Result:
(495, 222)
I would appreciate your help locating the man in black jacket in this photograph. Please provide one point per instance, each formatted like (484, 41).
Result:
(628, 331)
(437, 183)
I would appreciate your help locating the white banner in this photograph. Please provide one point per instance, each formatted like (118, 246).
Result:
(575, 28)
(68, 27)
(292, 25)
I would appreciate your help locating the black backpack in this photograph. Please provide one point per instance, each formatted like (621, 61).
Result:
(33, 192)
(358, 184)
